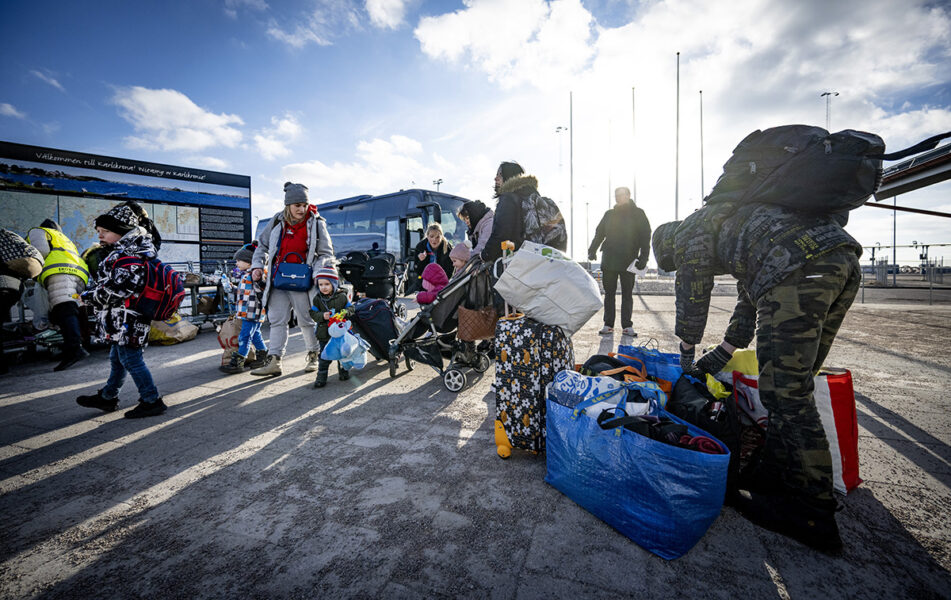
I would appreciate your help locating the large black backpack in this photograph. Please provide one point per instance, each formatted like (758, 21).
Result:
(807, 168)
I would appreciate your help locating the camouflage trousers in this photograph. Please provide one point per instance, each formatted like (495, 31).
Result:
(796, 323)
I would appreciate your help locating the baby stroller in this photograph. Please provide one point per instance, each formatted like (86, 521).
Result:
(374, 320)
(374, 276)
(431, 335)
(351, 268)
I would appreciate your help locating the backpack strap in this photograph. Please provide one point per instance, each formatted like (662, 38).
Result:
(918, 148)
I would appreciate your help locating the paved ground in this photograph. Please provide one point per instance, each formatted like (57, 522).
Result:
(391, 488)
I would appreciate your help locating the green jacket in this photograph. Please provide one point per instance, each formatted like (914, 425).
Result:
(320, 304)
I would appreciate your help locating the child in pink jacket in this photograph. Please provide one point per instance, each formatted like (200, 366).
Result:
(434, 280)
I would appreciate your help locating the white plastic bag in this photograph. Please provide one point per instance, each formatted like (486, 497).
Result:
(549, 287)
(37, 300)
(632, 268)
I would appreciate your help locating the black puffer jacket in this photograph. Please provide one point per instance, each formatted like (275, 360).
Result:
(509, 224)
(623, 235)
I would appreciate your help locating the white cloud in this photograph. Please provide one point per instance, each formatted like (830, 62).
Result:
(208, 162)
(8, 110)
(232, 6)
(758, 62)
(513, 42)
(47, 79)
(272, 142)
(386, 14)
(381, 166)
(169, 120)
(327, 19)
(299, 37)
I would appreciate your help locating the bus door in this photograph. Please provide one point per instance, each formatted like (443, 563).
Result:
(413, 229)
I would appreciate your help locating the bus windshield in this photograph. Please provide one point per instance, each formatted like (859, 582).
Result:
(452, 226)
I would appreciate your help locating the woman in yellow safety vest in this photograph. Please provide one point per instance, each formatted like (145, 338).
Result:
(64, 276)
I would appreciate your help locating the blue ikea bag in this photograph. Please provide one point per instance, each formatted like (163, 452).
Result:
(662, 497)
(662, 365)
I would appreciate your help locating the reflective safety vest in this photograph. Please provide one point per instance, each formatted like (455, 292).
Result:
(63, 257)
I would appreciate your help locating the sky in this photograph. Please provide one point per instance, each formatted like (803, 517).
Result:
(372, 96)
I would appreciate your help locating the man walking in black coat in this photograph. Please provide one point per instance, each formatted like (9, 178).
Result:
(625, 234)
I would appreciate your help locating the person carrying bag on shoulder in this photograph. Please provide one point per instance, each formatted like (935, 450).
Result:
(293, 246)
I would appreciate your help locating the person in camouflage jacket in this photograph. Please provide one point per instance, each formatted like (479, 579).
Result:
(797, 275)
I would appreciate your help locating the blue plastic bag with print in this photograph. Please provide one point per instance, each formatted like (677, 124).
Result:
(662, 497)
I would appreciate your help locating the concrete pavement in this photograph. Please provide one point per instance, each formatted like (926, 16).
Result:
(391, 488)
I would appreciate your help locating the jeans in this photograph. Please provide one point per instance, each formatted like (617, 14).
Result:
(609, 279)
(250, 334)
(125, 359)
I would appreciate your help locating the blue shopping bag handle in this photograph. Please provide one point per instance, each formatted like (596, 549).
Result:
(647, 389)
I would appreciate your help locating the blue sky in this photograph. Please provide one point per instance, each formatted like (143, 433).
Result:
(369, 96)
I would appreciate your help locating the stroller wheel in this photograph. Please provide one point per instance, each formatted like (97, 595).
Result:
(454, 379)
(399, 309)
(482, 363)
(392, 367)
(410, 363)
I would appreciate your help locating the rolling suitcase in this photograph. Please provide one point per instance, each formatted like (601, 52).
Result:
(528, 354)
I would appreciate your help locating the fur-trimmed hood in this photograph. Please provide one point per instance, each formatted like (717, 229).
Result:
(518, 183)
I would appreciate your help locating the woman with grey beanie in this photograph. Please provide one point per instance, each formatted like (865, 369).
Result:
(298, 234)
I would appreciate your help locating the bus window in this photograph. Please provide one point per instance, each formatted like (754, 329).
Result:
(393, 237)
(336, 220)
(414, 232)
(452, 226)
(358, 218)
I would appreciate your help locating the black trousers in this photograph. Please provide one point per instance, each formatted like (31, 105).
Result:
(66, 316)
(609, 279)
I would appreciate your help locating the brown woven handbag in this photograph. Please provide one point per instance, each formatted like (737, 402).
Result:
(476, 323)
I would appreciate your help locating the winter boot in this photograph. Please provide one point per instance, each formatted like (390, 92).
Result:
(260, 357)
(321, 379)
(808, 523)
(342, 373)
(237, 364)
(272, 366)
(97, 401)
(311, 365)
(146, 409)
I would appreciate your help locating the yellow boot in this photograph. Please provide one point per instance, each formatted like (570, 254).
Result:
(502, 445)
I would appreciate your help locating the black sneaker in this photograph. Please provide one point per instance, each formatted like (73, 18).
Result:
(146, 409)
(71, 359)
(814, 527)
(97, 401)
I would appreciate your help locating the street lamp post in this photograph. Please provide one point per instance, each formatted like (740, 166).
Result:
(828, 97)
(436, 183)
(559, 130)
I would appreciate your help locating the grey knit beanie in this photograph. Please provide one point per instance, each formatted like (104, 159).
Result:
(246, 252)
(294, 193)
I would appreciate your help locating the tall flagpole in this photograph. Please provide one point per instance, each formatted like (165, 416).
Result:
(610, 152)
(677, 151)
(634, 141)
(702, 188)
(571, 171)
